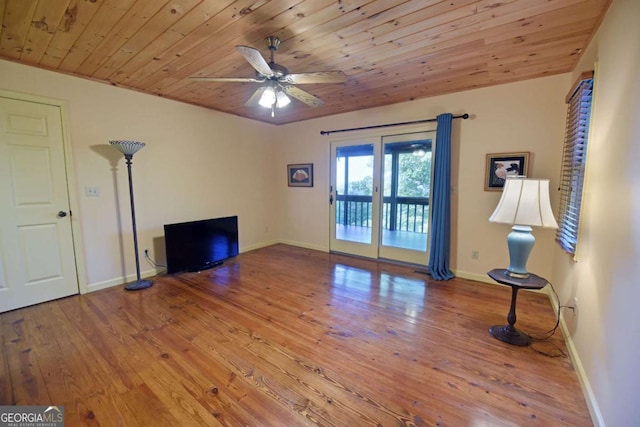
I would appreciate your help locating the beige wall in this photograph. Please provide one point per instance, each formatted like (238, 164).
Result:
(197, 164)
(525, 116)
(604, 278)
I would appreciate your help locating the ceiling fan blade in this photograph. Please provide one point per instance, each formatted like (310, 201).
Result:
(255, 98)
(227, 79)
(303, 96)
(256, 60)
(316, 77)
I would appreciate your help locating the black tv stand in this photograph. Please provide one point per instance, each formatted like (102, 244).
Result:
(206, 266)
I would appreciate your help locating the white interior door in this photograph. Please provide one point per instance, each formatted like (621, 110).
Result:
(37, 261)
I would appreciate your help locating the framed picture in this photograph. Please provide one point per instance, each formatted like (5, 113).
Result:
(502, 165)
(300, 175)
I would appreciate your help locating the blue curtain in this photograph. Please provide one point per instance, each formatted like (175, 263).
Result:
(441, 202)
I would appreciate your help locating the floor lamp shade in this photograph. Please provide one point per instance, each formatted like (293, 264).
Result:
(129, 148)
(524, 204)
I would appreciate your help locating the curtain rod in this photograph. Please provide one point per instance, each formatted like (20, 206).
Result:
(327, 132)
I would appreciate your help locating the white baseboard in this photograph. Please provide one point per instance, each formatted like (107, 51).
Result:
(258, 246)
(304, 245)
(587, 391)
(121, 281)
(473, 276)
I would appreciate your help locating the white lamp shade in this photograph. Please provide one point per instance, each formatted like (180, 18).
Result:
(127, 147)
(525, 202)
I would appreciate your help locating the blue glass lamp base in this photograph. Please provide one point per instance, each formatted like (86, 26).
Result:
(520, 242)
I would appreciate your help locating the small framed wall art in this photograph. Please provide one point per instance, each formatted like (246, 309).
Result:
(300, 175)
(501, 165)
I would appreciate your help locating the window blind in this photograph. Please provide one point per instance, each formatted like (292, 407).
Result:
(573, 163)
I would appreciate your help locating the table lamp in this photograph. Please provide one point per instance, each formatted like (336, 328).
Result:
(524, 203)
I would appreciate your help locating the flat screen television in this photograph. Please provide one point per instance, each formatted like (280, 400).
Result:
(199, 245)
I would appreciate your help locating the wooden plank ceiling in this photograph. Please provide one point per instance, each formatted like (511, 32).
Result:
(391, 51)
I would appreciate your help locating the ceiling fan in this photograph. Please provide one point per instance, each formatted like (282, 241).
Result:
(276, 80)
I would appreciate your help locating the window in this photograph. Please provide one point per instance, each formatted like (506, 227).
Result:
(573, 162)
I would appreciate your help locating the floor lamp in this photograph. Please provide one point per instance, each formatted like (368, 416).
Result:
(129, 148)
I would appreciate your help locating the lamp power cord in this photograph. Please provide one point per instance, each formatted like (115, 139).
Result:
(545, 336)
(151, 261)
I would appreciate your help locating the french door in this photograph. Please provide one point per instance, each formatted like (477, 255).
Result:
(355, 197)
(379, 193)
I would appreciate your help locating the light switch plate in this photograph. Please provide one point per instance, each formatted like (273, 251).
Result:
(92, 191)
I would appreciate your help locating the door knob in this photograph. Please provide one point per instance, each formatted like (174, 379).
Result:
(62, 214)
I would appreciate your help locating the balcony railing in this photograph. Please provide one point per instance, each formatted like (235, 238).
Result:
(399, 213)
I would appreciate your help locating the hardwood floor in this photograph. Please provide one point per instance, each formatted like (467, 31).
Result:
(285, 336)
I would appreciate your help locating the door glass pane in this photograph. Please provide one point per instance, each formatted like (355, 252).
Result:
(354, 193)
(414, 173)
(387, 175)
(407, 188)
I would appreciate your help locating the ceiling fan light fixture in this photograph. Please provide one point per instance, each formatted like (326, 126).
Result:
(274, 98)
(268, 98)
(282, 100)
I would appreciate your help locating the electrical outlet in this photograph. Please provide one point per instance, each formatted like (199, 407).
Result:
(475, 254)
(146, 252)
